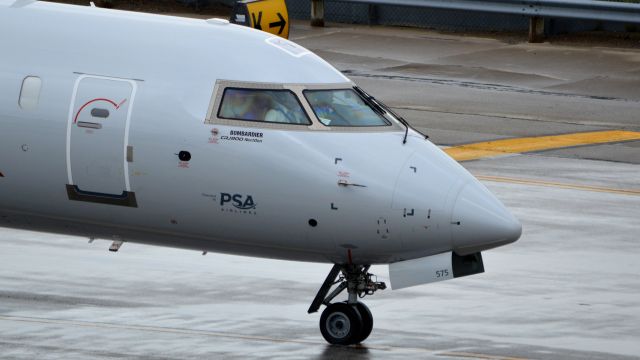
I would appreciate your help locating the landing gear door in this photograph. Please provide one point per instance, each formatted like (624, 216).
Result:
(98, 138)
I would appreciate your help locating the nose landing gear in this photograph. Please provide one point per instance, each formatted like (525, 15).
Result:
(348, 322)
(341, 324)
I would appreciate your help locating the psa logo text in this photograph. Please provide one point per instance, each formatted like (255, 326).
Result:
(239, 201)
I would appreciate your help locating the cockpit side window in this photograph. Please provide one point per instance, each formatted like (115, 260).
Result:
(263, 105)
(344, 107)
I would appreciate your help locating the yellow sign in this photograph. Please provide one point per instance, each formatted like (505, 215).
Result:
(266, 15)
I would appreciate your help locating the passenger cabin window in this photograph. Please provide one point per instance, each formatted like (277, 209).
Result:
(343, 107)
(265, 105)
(30, 92)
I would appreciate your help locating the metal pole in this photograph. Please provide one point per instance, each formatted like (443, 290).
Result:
(373, 14)
(317, 13)
(536, 29)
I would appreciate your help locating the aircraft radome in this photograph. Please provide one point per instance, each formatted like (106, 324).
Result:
(215, 137)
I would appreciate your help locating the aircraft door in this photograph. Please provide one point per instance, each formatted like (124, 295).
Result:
(97, 140)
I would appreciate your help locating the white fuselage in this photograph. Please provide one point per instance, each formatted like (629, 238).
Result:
(249, 188)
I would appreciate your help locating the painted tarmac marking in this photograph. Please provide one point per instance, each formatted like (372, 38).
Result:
(157, 329)
(101, 325)
(630, 192)
(479, 356)
(537, 143)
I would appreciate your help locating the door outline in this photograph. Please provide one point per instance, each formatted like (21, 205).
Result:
(70, 123)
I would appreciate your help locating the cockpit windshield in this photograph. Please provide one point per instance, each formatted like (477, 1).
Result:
(273, 106)
(344, 107)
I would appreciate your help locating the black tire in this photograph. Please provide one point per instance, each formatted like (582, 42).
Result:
(367, 322)
(340, 324)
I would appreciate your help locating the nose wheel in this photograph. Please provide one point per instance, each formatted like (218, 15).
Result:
(341, 324)
(344, 324)
(367, 322)
(349, 322)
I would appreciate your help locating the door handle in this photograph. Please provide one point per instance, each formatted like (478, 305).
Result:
(89, 125)
(346, 183)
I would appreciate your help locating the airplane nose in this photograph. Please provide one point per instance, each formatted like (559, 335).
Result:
(480, 221)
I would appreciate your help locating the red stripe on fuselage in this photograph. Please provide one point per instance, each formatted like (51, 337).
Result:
(117, 106)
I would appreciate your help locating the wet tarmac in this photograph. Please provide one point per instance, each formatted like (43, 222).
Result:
(461, 89)
(569, 289)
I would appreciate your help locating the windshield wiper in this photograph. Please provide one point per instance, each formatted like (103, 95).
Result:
(378, 106)
(371, 101)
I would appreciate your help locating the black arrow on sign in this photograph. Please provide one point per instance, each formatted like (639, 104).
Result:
(256, 23)
(280, 23)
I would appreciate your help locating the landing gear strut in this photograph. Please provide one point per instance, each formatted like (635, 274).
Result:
(348, 322)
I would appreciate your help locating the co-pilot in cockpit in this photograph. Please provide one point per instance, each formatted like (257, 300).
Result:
(339, 107)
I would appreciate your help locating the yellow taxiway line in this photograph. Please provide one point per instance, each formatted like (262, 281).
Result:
(558, 185)
(537, 143)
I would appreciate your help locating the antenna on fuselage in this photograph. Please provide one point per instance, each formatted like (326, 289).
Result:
(22, 3)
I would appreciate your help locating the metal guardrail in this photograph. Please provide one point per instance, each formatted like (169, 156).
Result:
(573, 9)
(535, 9)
